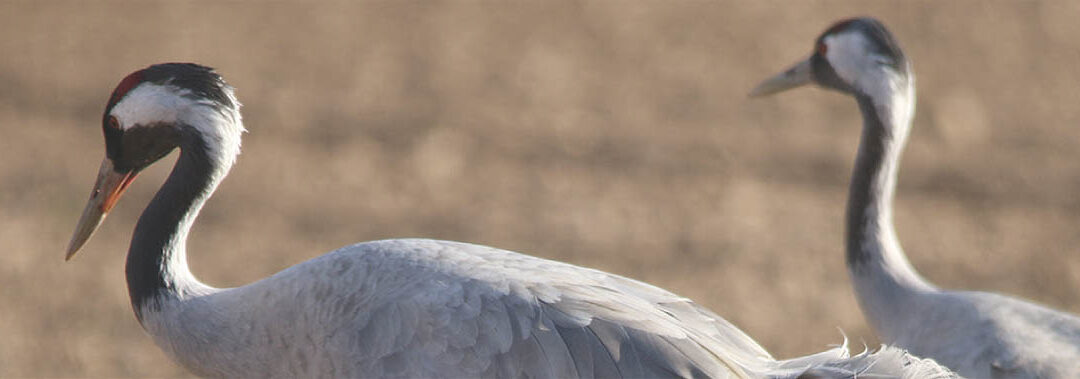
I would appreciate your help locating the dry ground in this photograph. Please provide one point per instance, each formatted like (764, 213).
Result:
(615, 135)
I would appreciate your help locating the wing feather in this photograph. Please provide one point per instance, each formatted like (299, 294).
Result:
(422, 308)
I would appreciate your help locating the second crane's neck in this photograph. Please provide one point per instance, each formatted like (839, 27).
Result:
(157, 268)
(875, 259)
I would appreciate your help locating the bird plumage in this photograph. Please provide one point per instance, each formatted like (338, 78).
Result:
(427, 308)
(977, 334)
(424, 308)
(393, 308)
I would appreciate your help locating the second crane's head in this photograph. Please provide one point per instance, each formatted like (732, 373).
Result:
(855, 56)
(152, 112)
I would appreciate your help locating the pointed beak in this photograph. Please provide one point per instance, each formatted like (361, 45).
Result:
(110, 185)
(796, 76)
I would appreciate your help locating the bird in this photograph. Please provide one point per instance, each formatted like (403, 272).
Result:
(397, 307)
(976, 334)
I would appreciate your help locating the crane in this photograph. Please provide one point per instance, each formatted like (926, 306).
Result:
(976, 334)
(392, 308)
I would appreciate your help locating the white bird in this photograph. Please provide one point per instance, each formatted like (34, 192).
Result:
(977, 334)
(393, 308)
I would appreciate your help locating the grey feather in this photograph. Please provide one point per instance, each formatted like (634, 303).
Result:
(423, 308)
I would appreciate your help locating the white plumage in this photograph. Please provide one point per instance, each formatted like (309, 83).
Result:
(396, 308)
(977, 334)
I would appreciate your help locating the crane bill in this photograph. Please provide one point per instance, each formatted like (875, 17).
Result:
(107, 190)
(796, 76)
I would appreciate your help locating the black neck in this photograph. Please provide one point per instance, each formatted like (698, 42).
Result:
(156, 262)
(874, 256)
(872, 184)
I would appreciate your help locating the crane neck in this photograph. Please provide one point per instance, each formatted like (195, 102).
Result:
(875, 260)
(157, 268)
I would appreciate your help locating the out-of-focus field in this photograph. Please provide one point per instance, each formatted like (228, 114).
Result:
(615, 135)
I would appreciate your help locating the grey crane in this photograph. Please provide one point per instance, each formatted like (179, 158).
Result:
(976, 334)
(393, 308)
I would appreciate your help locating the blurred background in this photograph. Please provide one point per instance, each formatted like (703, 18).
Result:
(614, 135)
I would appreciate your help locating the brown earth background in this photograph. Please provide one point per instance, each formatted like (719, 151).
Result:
(610, 134)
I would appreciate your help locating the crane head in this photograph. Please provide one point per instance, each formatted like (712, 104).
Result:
(148, 115)
(854, 56)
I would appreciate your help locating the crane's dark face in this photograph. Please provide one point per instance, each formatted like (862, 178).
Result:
(145, 119)
(853, 56)
(137, 147)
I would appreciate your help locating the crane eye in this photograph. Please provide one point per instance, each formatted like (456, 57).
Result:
(822, 48)
(113, 123)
